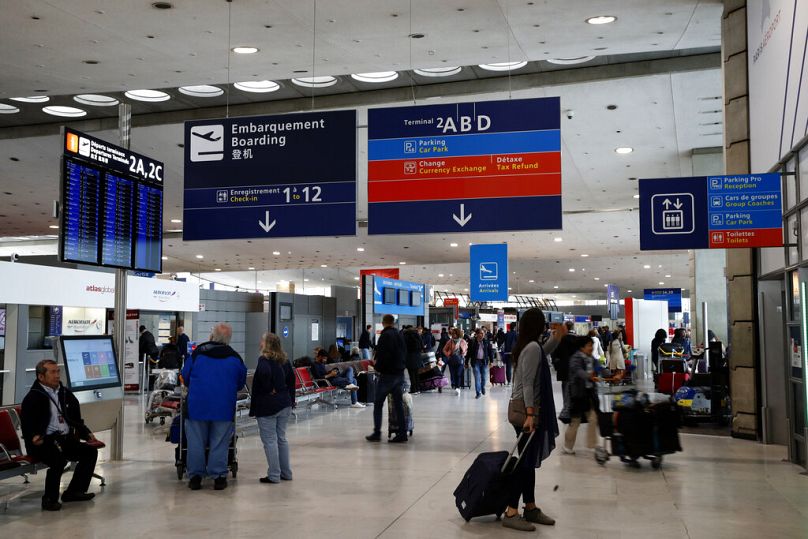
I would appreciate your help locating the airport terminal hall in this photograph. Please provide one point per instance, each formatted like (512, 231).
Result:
(404, 269)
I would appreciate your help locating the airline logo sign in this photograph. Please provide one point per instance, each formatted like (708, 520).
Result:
(485, 166)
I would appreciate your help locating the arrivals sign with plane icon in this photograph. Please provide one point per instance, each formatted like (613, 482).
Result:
(271, 176)
(711, 212)
(465, 167)
(489, 272)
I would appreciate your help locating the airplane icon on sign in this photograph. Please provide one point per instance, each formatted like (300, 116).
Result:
(207, 136)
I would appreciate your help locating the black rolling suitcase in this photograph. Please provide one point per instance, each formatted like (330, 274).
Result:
(367, 386)
(484, 488)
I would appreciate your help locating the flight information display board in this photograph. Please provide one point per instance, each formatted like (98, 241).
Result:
(112, 205)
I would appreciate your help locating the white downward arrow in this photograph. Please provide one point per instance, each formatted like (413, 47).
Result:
(267, 226)
(463, 219)
(678, 204)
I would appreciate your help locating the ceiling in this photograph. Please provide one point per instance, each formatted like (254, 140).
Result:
(662, 116)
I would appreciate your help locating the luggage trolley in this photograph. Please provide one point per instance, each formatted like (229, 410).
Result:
(637, 425)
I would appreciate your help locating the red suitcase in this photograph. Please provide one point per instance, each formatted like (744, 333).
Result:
(498, 375)
(670, 382)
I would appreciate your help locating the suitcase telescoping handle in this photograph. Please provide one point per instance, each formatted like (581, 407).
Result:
(516, 455)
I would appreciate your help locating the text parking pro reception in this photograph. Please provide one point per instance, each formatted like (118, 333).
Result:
(271, 176)
(466, 167)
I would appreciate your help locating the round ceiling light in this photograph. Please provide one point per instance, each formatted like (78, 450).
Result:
(375, 77)
(438, 71)
(503, 66)
(623, 150)
(245, 50)
(202, 90)
(66, 112)
(570, 61)
(601, 19)
(315, 82)
(8, 109)
(257, 86)
(95, 100)
(32, 99)
(149, 96)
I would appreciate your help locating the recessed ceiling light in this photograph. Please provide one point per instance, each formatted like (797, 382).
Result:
(251, 268)
(276, 253)
(176, 220)
(601, 19)
(629, 291)
(95, 100)
(323, 265)
(465, 290)
(574, 296)
(558, 240)
(556, 286)
(659, 266)
(201, 90)
(360, 249)
(531, 281)
(570, 61)
(503, 66)
(200, 256)
(646, 266)
(149, 96)
(623, 150)
(509, 288)
(305, 280)
(452, 245)
(605, 286)
(572, 270)
(257, 86)
(375, 77)
(245, 50)
(217, 269)
(165, 258)
(440, 275)
(584, 255)
(597, 278)
(402, 263)
(315, 82)
(32, 99)
(661, 282)
(8, 109)
(356, 278)
(66, 112)
(667, 276)
(636, 196)
(438, 71)
(53, 226)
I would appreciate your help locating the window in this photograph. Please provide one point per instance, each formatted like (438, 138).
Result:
(790, 187)
(804, 235)
(804, 174)
(791, 237)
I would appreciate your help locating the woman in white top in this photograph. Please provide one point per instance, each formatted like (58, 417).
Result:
(617, 358)
(597, 347)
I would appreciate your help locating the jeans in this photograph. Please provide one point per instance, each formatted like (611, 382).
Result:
(214, 436)
(365, 353)
(345, 378)
(456, 370)
(389, 384)
(506, 359)
(480, 374)
(273, 435)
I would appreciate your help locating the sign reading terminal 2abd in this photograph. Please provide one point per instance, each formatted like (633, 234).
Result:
(271, 176)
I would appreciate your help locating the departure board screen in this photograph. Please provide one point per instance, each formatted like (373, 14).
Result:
(116, 239)
(149, 228)
(80, 208)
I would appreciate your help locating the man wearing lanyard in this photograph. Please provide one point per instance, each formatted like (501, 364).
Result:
(53, 429)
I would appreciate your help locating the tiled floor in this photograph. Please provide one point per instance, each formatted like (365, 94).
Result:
(345, 487)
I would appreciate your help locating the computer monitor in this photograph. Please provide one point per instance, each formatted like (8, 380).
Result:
(90, 362)
(403, 297)
(390, 296)
(416, 298)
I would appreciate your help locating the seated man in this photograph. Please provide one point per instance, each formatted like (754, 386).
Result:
(345, 380)
(52, 429)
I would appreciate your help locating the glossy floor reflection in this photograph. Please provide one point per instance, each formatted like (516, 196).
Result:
(346, 487)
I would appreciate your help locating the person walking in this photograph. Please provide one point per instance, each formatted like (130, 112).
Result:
(273, 397)
(533, 393)
(561, 362)
(583, 396)
(213, 376)
(479, 357)
(389, 363)
(617, 355)
(182, 344)
(455, 351)
(597, 347)
(414, 344)
(365, 342)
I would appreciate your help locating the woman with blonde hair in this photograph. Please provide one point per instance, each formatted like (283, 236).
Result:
(273, 397)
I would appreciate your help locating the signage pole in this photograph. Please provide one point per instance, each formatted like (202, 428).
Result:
(704, 335)
(116, 445)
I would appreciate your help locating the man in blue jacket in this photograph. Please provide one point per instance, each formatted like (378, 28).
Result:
(214, 375)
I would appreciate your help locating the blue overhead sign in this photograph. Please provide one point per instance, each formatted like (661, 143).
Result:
(489, 272)
(484, 166)
(271, 176)
(613, 300)
(393, 296)
(711, 212)
(672, 295)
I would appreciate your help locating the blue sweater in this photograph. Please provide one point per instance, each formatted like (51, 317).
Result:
(214, 375)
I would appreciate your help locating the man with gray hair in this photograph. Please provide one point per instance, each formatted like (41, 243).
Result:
(213, 376)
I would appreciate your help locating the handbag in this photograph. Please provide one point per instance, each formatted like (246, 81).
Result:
(517, 413)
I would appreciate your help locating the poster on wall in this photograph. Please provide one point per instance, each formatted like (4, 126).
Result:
(131, 370)
(83, 320)
(315, 331)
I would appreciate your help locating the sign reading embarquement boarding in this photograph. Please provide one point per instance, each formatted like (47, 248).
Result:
(484, 166)
(711, 212)
(271, 176)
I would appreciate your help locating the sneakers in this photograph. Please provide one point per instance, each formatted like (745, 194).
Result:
(478, 396)
(352, 387)
(195, 483)
(567, 451)
(399, 439)
(50, 505)
(457, 390)
(375, 437)
(535, 515)
(517, 523)
(68, 496)
(220, 483)
(357, 405)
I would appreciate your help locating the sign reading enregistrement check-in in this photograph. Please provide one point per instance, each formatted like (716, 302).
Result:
(484, 166)
(489, 272)
(271, 176)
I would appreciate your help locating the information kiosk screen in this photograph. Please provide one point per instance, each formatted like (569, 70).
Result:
(403, 297)
(390, 296)
(90, 362)
(81, 202)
